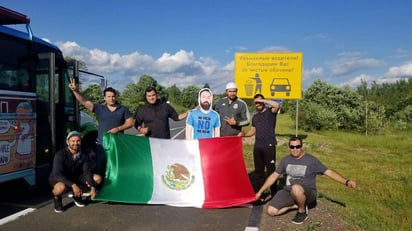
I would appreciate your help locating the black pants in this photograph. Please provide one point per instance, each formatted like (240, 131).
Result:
(265, 164)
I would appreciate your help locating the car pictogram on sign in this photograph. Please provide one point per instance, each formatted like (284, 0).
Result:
(280, 85)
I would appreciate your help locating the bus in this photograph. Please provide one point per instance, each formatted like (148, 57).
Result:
(37, 109)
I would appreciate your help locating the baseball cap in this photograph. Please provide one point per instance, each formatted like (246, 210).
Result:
(231, 85)
(73, 133)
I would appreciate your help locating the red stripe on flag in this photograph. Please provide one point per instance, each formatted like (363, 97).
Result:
(224, 173)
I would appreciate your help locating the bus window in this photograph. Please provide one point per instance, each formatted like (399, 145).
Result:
(15, 79)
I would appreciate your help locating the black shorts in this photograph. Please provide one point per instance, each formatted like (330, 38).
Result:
(80, 181)
(283, 198)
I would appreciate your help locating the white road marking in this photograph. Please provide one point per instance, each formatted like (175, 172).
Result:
(16, 215)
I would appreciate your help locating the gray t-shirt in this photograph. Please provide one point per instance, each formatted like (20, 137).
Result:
(302, 171)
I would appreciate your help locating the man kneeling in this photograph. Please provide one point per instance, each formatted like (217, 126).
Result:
(72, 169)
(300, 190)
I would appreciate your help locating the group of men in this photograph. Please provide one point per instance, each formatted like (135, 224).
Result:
(83, 170)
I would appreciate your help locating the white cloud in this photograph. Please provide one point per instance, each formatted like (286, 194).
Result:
(313, 73)
(355, 82)
(348, 63)
(274, 49)
(392, 75)
(403, 71)
(181, 68)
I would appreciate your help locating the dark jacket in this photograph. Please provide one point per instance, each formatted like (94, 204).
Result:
(68, 170)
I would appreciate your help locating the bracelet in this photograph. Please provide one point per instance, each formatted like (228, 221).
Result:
(346, 183)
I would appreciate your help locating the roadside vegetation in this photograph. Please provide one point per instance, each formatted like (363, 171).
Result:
(363, 133)
(380, 164)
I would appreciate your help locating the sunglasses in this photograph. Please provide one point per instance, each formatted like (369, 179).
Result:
(295, 146)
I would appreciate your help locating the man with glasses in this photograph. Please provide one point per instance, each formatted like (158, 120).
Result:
(300, 169)
(264, 150)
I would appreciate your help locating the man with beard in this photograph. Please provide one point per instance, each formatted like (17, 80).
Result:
(152, 119)
(264, 150)
(203, 122)
(233, 112)
(72, 170)
(112, 117)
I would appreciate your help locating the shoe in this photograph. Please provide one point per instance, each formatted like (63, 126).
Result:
(78, 201)
(58, 204)
(300, 218)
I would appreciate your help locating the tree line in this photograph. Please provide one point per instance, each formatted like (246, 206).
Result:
(369, 108)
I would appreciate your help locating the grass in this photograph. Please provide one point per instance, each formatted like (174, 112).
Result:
(380, 164)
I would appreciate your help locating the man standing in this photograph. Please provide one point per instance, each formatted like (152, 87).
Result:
(71, 169)
(203, 122)
(300, 169)
(234, 113)
(152, 119)
(112, 117)
(263, 127)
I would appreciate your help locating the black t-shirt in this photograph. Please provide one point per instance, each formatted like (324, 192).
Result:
(156, 118)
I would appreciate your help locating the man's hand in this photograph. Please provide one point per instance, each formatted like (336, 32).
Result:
(230, 120)
(93, 192)
(351, 184)
(144, 130)
(72, 84)
(258, 195)
(76, 190)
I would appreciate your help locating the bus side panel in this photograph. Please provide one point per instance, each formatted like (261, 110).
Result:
(17, 135)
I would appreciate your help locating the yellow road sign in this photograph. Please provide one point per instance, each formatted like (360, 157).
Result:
(274, 75)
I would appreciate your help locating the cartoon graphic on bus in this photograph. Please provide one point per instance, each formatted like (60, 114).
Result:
(280, 85)
(25, 130)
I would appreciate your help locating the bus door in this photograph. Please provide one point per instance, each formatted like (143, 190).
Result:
(55, 110)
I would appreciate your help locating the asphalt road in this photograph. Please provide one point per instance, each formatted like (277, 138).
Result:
(22, 208)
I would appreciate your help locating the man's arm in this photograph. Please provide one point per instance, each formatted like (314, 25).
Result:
(251, 132)
(244, 115)
(82, 100)
(339, 178)
(274, 106)
(216, 132)
(183, 115)
(189, 132)
(127, 124)
(269, 181)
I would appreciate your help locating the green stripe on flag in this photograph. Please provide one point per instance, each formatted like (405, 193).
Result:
(136, 169)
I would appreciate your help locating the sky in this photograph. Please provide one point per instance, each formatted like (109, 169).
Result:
(190, 42)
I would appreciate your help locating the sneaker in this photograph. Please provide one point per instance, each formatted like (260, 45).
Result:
(58, 204)
(85, 194)
(300, 218)
(78, 201)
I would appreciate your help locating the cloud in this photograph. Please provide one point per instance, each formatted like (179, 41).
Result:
(399, 72)
(401, 53)
(355, 82)
(274, 49)
(235, 49)
(348, 63)
(313, 73)
(392, 75)
(182, 68)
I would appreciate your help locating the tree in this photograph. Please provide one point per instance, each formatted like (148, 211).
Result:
(174, 94)
(134, 93)
(190, 96)
(327, 107)
(70, 61)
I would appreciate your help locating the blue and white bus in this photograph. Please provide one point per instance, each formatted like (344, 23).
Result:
(37, 109)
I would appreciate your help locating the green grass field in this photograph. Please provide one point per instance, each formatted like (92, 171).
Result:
(380, 164)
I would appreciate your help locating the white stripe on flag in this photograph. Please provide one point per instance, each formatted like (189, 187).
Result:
(183, 153)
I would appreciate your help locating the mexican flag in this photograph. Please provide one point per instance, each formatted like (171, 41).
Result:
(204, 173)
